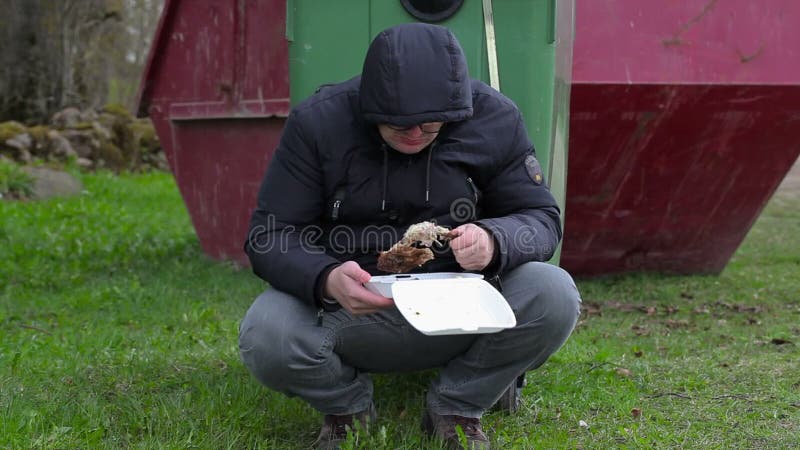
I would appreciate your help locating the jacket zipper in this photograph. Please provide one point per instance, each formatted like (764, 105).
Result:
(338, 196)
(473, 188)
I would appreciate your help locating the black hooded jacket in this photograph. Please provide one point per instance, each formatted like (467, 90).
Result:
(334, 191)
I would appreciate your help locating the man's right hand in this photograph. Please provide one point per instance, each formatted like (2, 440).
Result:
(345, 284)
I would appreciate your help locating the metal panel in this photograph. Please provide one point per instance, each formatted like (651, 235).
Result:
(217, 90)
(693, 41)
(684, 121)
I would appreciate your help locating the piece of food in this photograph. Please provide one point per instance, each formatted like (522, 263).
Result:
(413, 250)
(425, 234)
(403, 258)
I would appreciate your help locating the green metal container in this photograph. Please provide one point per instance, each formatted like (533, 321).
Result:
(533, 46)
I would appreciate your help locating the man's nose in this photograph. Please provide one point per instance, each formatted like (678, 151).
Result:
(415, 131)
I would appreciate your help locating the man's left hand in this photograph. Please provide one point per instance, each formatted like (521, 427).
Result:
(473, 247)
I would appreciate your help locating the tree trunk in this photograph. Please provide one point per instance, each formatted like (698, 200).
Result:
(82, 53)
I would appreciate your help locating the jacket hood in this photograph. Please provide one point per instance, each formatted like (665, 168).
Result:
(415, 73)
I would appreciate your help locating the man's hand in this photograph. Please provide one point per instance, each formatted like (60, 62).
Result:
(345, 284)
(473, 247)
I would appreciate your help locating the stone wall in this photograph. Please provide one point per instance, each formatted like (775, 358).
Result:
(111, 138)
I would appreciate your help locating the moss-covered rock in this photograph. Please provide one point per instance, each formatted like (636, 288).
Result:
(61, 147)
(119, 111)
(74, 119)
(145, 134)
(118, 123)
(109, 156)
(41, 144)
(66, 118)
(50, 145)
(83, 142)
(38, 132)
(10, 129)
(83, 126)
(15, 141)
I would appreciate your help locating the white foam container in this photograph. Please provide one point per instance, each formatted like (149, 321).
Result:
(382, 285)
(448, 303)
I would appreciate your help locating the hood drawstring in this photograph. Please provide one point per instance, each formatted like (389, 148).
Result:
(428, 174)
(385, 175)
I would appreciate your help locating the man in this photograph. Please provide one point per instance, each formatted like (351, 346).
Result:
(412, 139)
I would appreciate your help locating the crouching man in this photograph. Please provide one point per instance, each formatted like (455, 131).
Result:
(411, 139)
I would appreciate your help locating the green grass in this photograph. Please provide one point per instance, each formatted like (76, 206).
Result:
(14, 182)
(116, 331)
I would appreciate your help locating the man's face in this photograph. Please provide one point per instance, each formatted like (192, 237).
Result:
(410, 140)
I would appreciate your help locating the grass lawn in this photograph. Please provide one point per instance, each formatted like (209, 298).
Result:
(116, 331)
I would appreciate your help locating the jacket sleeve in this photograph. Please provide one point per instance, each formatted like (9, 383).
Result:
(521, 214)
(281, 242)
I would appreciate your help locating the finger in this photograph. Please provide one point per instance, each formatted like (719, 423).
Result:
(379, 301)
(467, 228)
(471, 258)
(458, 231)
(366, 297)
(463, 241)
(465, 250)
(458, 234)
(465, 260)
(354, 271)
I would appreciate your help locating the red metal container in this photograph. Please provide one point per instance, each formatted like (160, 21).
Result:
(217, 89)
(685, 117)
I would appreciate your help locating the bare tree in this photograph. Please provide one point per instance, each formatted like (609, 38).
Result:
(141, 19)
(20, 69)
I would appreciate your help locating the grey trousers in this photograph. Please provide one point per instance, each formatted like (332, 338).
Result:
(326, 361)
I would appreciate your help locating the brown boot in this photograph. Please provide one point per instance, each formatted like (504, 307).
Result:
(334, 429)
(445, 429)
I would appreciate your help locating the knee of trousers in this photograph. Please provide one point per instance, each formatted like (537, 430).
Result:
(548, 297)
(281, 345)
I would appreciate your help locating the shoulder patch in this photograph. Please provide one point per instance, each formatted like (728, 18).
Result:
(534, 169)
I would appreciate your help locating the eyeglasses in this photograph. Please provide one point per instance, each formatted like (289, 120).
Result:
(427, 127)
